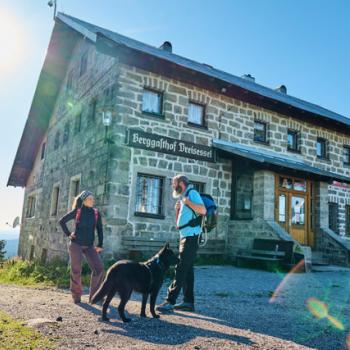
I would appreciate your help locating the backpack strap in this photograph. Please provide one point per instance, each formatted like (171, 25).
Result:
(96, 216)
(194, 220)
(78, 215)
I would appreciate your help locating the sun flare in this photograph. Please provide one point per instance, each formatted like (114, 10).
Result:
(11, 42)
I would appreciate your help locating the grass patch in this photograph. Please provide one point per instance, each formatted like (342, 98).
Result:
(13, 335)
(56, 273)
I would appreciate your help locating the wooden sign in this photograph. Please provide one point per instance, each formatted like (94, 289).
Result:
(163, 144)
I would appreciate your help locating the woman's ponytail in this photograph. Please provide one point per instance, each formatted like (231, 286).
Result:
(77, 203)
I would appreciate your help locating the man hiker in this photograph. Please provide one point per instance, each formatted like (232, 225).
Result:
(188, 209)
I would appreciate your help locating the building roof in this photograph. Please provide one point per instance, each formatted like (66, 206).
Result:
(92, 31)
(66, 31)
(265, 157)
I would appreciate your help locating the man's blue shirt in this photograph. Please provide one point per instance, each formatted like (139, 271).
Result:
(186, 214)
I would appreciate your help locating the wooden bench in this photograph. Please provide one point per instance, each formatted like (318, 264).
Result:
(268, 252)
(138, 247)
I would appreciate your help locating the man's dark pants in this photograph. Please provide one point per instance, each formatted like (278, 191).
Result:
(184, 274)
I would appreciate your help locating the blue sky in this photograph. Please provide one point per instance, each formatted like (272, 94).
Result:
(302, 44)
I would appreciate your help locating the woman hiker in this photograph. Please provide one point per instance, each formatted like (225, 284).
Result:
(87, 220)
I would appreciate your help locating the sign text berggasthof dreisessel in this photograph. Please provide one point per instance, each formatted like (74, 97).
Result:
(157, 143)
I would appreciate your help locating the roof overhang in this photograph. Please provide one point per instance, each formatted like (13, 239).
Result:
(204, 78)
(276, 161)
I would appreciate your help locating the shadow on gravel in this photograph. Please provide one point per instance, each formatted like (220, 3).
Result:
(97, 310)
(163, 332)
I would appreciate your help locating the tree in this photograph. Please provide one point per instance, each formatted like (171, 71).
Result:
(2, 250)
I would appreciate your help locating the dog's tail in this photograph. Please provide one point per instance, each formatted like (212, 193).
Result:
(104, 289)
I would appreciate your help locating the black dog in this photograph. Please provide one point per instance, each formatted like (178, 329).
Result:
(126, 276)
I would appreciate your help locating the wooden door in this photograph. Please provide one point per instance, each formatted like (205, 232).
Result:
(292, 208)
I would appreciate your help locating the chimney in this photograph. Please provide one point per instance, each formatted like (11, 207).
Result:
(282, 89)
(166, 46)
(248, 77)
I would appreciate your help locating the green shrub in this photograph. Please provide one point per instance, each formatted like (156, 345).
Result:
(56, 273)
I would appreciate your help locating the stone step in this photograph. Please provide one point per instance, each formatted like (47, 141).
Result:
(317, 259)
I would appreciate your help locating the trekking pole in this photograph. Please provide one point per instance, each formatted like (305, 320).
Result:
(204, 233)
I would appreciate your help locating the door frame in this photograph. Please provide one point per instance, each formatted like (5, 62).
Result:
(308, 194)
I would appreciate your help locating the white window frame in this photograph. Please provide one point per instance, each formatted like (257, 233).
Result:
(71, 196)
(147, 90)
(192, 104)
(53, 201)
(159, 214)
(28, 211)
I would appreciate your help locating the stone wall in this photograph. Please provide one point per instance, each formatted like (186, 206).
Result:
(227, 118)
(340, 194)
(82, 154)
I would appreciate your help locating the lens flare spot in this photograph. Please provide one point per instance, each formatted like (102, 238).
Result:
(320, 310)
(297, 268)
(336, 323)
(317, 308)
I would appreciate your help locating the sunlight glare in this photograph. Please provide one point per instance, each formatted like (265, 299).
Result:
(11, 43)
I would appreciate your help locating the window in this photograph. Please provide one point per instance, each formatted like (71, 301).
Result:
(198, 186)
(293, 141)
(30, 212)
(196, 114)
(92, 111)
(149, 194)
(333, 217)
(66, 133)
(57, 141)
(43, 257)
(242, 193)
(54, 200)
(69, 84)
(74, 189)
(109, 94)
(298, 210)
(152, 101)
(347, 220)
(321, 148)
(260, 134)
(346, 155)
(43, 147)
(83, 64)
(77, 125)
(31, 254)
(292, 184)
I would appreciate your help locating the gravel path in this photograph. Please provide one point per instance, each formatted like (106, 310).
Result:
(233, 312)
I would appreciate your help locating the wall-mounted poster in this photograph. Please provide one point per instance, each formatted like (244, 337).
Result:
(298, 210)
(286, 183)
(300, 185)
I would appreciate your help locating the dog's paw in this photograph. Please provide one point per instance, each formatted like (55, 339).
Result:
(127, 320)
(143, 315)
(156, 316)
(105, 319)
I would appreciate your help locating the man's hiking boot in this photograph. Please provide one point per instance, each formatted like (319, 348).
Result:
(165, 307)
(184, 306)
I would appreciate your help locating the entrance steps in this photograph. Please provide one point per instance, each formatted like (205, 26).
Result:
(317, 259)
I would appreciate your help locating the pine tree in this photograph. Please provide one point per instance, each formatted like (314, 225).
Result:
(2, 250)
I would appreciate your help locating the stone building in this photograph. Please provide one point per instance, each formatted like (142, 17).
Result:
(278, 166)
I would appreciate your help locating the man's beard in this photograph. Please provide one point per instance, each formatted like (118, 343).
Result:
(177, 192)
